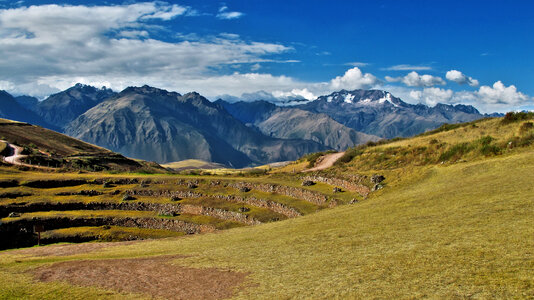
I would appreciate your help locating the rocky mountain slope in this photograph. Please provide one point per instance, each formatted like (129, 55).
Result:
(11, 109)
(380, 113)
(61, 108)
(153, 124)
(28, 102)
(295, 123)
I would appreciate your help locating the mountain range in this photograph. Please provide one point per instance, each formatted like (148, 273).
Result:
(156, 125)
(380, 113)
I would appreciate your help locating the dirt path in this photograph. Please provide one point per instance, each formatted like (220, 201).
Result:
(14, 154)
(326, 162)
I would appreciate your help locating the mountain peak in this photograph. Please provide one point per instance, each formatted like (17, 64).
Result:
(146, 90)
(85, 88)
(362, 97)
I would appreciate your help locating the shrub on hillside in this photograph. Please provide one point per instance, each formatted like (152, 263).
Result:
(455, 152)
(511, 117)
(349, 155)
(526, 127)
(486, 146)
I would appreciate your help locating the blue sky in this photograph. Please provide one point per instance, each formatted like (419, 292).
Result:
(471, 52)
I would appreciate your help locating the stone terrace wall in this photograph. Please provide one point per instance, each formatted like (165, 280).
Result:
(303, 194)
(350, 186)
(152, 223)
(274, 206)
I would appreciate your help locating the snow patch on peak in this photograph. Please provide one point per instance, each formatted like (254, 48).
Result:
(329, 99)
(348, 98)
(387, 98)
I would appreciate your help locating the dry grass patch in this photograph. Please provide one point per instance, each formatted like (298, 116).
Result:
(153, 276)
(66, 249)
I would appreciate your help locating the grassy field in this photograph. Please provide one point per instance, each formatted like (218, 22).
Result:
(192, 164)
(463, 228)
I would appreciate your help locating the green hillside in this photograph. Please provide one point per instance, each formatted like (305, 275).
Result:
(47, 148)
(453, 219)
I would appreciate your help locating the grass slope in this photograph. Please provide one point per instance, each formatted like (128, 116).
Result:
(461, 227)
(459, 231)
(192, 164)
(45, 147)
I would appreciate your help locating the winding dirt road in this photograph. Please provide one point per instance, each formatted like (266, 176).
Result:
(326, 162)
(14, 154)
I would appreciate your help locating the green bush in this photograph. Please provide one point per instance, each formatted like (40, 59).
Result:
(455, 151)
(526, 127)
(312, 159)
(486, 140)
(349, 155)
(511, 117)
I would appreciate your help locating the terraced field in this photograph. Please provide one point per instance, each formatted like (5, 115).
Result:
(88, 207)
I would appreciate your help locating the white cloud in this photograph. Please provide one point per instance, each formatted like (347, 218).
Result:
(414, 79)
(354, 79)
(498, 98)
(408, 68)
(460, 78)
(432, 96)
(500, 94)
(52, 45)
(224, 14)
(255, 67)
(357, 64)
(134, 34)
(295, 94)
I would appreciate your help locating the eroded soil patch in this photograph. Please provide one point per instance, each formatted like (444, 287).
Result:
(155, 277)
(67, 249)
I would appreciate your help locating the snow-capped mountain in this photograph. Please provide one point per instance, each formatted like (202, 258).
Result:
(380, 113)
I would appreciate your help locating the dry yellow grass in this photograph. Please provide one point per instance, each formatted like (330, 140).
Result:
(454, 230)
(460, 231)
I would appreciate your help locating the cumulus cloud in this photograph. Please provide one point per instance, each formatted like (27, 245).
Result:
(414, 79)
(225, 14)
(55, 45)
(432, 96)
(498, 98)
(408, 68)
(500, 94)
(296, 94)
(460, 78)
(354, 79)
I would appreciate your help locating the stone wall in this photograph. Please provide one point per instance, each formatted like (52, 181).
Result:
(160, 208)
(26, 225)
(303, 194)
(348, 185)
(274, 206)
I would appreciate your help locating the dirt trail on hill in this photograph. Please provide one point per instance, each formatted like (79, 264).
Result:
(326, 162)
(14, 156)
